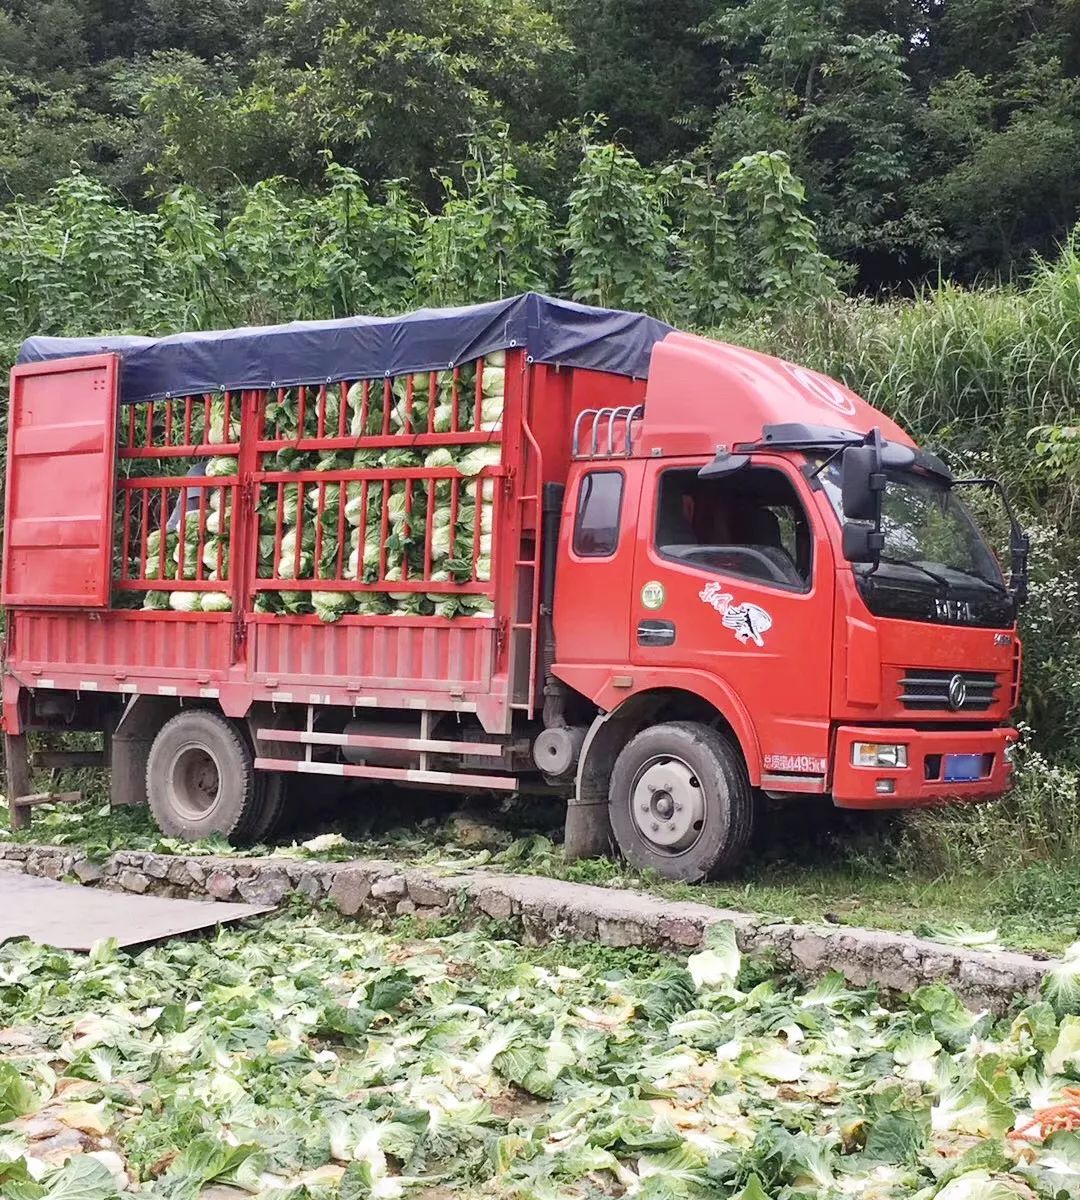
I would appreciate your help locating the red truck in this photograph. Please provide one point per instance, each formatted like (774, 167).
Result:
(527, 545)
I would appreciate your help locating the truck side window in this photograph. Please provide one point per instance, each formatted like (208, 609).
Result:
(750, 524)
(596, 525)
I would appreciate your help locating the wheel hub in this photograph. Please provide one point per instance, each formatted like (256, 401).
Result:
(195, 780)
(668, 805)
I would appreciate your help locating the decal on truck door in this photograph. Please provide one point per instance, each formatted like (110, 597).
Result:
(747, 621)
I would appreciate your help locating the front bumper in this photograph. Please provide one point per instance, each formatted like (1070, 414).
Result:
(922, 781)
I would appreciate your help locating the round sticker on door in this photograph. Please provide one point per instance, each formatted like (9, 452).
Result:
(652, 594)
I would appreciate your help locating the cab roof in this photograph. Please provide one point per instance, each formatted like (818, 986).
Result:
(703, 394)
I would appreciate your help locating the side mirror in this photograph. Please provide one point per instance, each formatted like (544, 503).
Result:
(862, 543)
(861, 483)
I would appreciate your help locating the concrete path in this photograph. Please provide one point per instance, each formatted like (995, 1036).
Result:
(74, 917)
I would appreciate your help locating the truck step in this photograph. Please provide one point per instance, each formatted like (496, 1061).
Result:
(375, 741)
(68, 758)
(502, 783)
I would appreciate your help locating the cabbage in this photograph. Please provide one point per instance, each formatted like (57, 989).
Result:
(354, 511)
(287, 567)
(184, 601)
(393, 575)
(221, 466)
(372, 603)
(718, 964)
(288, 541)
(210, 554)
(491, 413)
(331, 606)
(399, 458)
(216, 602)
(153, 566)
(396, 507)
(480, 457)
(294, 603)
(1064, 1058)
(494, 381)
(156, 601)
(444, 417)
(981, 1185)
(479, 606)
(441, 456)
(440, 541)
(1061, 985)
(215, 431)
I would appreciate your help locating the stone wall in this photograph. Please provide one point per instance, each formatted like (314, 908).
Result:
(549, 908)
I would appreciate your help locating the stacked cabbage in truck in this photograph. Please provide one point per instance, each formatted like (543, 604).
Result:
(522, 546)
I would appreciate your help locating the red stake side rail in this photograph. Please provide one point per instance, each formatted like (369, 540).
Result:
(173, 532)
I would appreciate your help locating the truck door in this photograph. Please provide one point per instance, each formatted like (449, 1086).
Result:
(592, 585)
(732, 577)
(60, 472)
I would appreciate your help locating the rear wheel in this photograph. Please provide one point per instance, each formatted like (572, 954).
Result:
(680, 801)
(201, 780)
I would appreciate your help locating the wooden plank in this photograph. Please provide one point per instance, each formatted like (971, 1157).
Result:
(36, 798)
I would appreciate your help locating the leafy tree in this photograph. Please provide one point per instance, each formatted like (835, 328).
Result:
(826, 83)
(646, 67)
(494, 240)
(618, 232)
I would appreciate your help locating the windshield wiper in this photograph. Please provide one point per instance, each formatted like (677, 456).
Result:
(1000, 588)
(892, 561)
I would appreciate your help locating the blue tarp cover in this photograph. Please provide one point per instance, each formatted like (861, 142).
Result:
(552, 331)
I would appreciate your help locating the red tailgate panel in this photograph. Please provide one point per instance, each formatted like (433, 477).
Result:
(60, 478)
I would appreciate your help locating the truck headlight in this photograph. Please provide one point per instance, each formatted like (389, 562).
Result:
(878, 754)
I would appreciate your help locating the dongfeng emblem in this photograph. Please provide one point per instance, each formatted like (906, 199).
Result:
(747, 621)
(957, 692)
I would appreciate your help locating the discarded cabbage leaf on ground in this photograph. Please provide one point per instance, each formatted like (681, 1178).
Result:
(307, 1059)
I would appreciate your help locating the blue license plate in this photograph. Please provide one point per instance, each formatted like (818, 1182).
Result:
(963, 768)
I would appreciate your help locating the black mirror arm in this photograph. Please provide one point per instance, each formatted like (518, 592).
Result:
(1020, 543)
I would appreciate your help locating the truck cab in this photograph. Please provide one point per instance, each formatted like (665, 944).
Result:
(706, 588)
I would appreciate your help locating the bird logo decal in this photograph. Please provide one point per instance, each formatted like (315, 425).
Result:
(747, 621)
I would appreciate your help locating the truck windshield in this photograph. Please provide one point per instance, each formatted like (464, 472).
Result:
(935, 564)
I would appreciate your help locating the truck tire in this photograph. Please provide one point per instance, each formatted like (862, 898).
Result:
(680, 801)
(201, 780)
(269, 811)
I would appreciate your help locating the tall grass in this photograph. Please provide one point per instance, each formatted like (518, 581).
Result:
(974, 371)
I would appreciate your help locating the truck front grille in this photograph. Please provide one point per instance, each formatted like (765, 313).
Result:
(924, 690)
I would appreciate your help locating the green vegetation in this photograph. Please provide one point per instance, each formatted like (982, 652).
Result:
(303, 1059)
(928, 135)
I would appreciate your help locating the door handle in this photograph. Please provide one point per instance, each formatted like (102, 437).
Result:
(656, 633)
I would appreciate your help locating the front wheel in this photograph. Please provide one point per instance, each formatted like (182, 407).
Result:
(680, 802)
